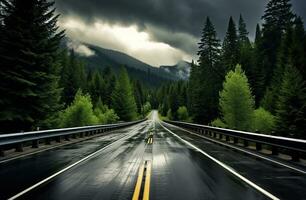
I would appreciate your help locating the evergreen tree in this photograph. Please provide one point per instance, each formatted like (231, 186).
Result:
(283, 59)
(96, 86)
(298, 48)
(246, 54)
(139, 96)
(110, 82)
(209, 48)
(206, 79)
(258, 83)
(230, 49)
(243, 37)
(123, 100)
(29, 65)
(173, 101)
(291, 105)
(79, 113)
(277, 18)
(73, 76)
(236, 101)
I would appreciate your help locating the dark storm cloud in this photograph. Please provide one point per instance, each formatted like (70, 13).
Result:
(163, 19)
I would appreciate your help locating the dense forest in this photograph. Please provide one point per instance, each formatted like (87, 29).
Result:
(45, 85)
(246, 85)
(253, 85)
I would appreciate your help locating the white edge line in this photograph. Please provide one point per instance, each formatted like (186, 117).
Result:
(66, 168)
(242, 150)
(266, 193)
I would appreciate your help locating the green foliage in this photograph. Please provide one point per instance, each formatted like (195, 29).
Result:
(139, 96)
(73, 76)
(29, 53)
(169, 115)
(291, 104)
(206, 78)
(218, 123)
(230, 49)
(236, 101)
(123, 100)
(182, 113)
(146, 108)
(277, 18)
(104, 114)
(263, 121)
(243, 33)
(79, 113)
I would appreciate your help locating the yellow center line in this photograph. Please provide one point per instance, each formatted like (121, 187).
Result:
(138, 183)
(146, 193)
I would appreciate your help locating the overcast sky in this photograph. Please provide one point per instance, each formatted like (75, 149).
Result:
(158, 32)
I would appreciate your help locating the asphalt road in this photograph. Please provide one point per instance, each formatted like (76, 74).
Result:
(129, 162)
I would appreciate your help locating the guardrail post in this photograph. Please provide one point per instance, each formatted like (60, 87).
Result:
(81, 135)
(245, 143)
(295, 156)
(58, 139)
(74, 136)
(47, 141)
(235, 140)
(67, 138)
(274, 150)
(35, 144)
(227, 138)
(258, 146)
(2, 152)
(19, 147)
(214, 134)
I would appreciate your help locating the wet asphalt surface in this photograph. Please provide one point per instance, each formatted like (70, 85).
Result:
(178, 171)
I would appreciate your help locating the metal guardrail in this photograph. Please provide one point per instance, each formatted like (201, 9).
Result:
(18, 140)
(295, 147)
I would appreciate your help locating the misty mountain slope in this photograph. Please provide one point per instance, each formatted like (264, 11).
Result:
(181, 70)
(99, 58)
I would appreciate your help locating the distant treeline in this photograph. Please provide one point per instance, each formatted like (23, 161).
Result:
(44, 86)
(248, 85)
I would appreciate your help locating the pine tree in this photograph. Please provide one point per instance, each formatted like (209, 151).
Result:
(246, 54)
(73, 76)
(97, 86)
(139, 96)
(259, 73)
(278, 18)
(173, 101)
(110, 82)
(243, 37)
(236, 101)
(209, 48)
(206, 78)
(230, 49)
(291, 105)
(123, 100)
(298, 49)
(29, 65)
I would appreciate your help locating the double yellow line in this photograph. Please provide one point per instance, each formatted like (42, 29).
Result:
(150, 140)
(144, 173)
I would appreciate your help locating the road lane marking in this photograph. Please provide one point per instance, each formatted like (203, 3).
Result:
(146, 193)
(231, 170)
(242, 150)
(144, 176)
(72, 165)
(138, 183)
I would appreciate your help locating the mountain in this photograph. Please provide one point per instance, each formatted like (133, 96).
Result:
(181, 70)
(99, 58)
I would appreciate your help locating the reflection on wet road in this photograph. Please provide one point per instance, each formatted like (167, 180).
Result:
(145, 161)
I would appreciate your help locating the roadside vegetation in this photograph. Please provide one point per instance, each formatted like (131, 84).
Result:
(247, 85)
(44, 84)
